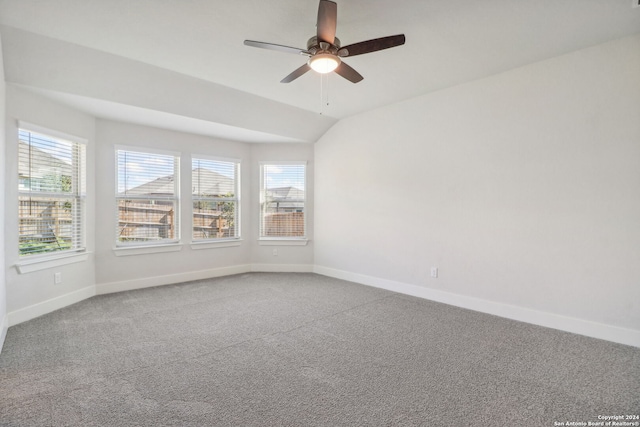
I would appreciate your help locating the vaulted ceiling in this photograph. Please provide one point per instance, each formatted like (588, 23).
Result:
(182, 64)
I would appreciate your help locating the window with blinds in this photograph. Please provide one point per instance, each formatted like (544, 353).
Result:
(215, 196)
(147, 197)
(282, 200)
(51, 193)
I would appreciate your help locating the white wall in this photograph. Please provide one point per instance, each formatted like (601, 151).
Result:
(4, 319)
(288, 258)
(523, 188)
(34, 293)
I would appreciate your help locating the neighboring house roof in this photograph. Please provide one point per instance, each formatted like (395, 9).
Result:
(42, 163)
(211, 183)
(285, 193)
(160, 186)
(205, 182)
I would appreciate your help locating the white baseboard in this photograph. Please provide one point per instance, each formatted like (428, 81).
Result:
(282, 268)
(4, 325)
(148, 282)
(550, 320)
(53, 304)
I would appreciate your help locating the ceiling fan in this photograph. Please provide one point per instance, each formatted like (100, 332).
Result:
(324, 50)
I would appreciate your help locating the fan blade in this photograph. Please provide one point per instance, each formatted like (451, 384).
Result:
(327, 17)
(278, 47)
(297, 73)
(348, 73)
(372, 45)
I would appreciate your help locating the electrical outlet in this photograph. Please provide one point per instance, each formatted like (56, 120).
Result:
(434, 272)
(57, 278)
(275, 252)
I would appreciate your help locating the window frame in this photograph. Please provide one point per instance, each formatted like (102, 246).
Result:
(282, 240)
(78, 250)
(218, 241)
(149, 246)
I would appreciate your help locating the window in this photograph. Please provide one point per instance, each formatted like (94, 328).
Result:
(215, 195)
(51, 192)
(282, 200)
(147, 197)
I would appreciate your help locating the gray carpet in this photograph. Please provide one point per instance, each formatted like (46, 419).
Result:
(267, 349)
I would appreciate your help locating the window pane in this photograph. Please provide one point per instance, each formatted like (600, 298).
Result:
(283, 224)
(283, 200)
(214, 220)
(212, 178)
(146, 174)
(215, 192)
(44, 164)
(146, 220)
(47, 224)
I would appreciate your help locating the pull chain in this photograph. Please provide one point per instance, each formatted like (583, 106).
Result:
(321, 93)
(326, 76)
(324, 95)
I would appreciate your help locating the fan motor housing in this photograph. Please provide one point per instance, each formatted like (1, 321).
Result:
(313, 46)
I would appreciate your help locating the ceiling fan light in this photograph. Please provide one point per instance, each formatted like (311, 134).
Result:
(324, 62)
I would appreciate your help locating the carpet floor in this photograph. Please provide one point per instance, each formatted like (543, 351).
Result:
(286, 349)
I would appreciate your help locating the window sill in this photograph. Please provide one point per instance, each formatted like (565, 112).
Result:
(31, 265)
(211, 244)
(283, 241)
(143, 250)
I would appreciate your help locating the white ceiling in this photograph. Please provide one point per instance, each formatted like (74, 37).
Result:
(449, 42)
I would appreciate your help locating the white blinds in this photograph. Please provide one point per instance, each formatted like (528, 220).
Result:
(215, 196)
(282, 200)
(51, 189)
(147, 196)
